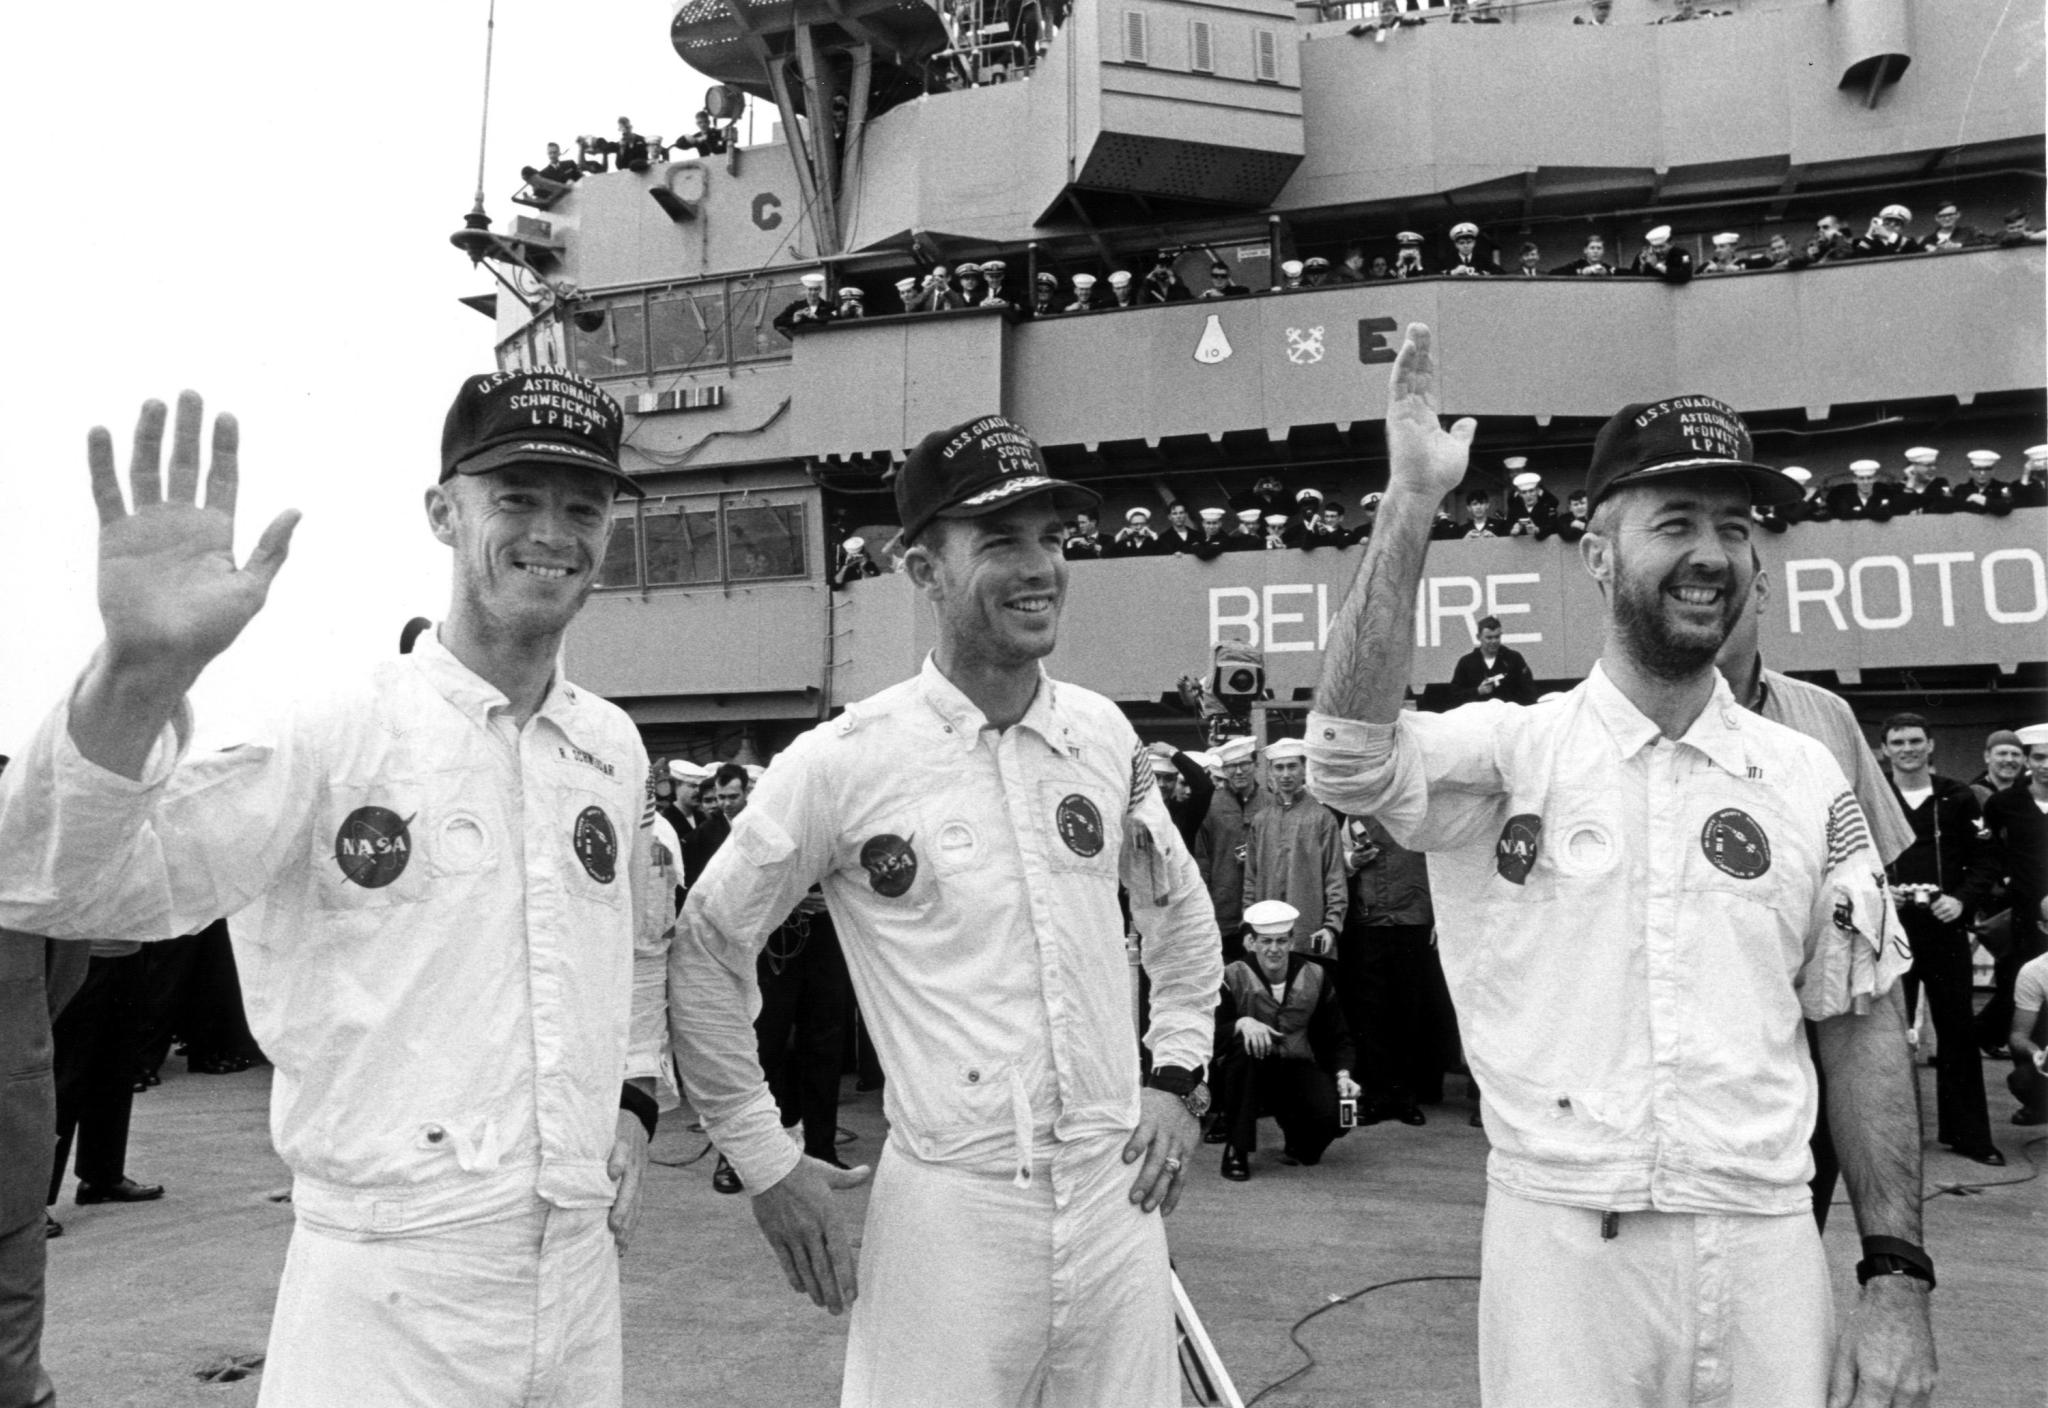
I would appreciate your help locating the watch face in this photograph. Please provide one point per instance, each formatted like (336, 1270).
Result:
(1197, 1101)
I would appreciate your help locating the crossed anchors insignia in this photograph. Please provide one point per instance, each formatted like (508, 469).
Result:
(1304, 348)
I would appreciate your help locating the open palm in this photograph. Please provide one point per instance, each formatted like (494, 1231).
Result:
(170, 594)
(1421, 454)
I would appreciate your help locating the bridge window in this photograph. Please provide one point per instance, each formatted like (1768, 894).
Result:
(610, 339)
(621, 566)
(682, 544)
(764, 540)
(754, 303)
(686, 328)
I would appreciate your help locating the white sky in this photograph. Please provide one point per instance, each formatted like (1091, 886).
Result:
(254, 200)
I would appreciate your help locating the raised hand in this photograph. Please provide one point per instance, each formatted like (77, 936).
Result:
(1421, 454)
(170, 594)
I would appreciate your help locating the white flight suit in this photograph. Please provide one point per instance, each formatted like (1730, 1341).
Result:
(1633, 928)
(972, 876)
(449, 952)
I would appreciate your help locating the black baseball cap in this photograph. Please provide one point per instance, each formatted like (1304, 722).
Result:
(975, 468)
(1680, 435)
(544, 416)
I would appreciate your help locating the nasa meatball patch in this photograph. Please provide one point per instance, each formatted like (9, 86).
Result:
(597, 845)
(373, 846)
(891, 864)
(1735, 844)
(1514, 854)
(1080, 825)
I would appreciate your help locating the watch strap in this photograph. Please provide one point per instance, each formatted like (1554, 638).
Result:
(1894, 1256)
(1177, 1081)
(639, 1104)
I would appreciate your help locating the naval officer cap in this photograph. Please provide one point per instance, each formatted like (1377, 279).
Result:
(1315, 261)
(850, 294)
(1048, 278)
(2035, 453)
(967, 270)
(1271, 918)
(1464, 230)
(1302, 496)
(542, 416)
(994, 268)
(1895, 212)
(1408, 237)
(1922, 454)
(976, 468)
(1679, 435)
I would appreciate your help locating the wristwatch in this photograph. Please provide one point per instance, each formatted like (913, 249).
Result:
(1185, 1085)
(1894, 1256)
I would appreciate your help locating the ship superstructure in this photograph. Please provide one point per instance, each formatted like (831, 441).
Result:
(1138, 135)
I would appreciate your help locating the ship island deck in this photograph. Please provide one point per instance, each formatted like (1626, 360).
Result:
(144, 1298)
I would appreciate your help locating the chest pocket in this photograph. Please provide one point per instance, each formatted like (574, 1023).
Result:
(1737, 841)
(394, 840)
(1082, 825)
(594, 838)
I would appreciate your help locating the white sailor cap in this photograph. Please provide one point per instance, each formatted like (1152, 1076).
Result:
(963, 270)
(1528, 479)
(1464, 230)
(1120, 279)
(1236, 750)
(1285, 748)
(1408, 237)
(854, 545)
(1983, 459)
(1371, 500)
(1796, 474)
(1922, 454)
(2033, 736)
(1274, 520)
(1895, 212)
(1271, 917)
(1291, 268)
(906, 285)
(1659, 234)
(1727, 239)
(1303, 495)
(1211, 515)
(1163, 768)
(1864, 469)
(814, 280)
(683, 770)
(1084, 281)
(1248, 515)
(1137, 515)
(1515, 462)
(2036, 452)
(1205, 761)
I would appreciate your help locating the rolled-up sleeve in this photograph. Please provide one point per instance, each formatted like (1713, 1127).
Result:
(93, 855)
(1182, 954)
(778, 848)
(1426, 777)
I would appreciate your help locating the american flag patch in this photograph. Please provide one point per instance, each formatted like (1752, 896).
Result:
(647, 800)
(1847, 831)
(1142, 780)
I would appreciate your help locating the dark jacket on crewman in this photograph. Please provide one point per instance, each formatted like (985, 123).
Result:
(1308, 1018)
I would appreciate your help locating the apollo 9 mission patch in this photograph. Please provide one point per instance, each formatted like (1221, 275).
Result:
(1736, 844)
(597, 845)
(1080, 825)
(891, 864)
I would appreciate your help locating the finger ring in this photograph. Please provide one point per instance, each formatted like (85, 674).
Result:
(1173, 1165)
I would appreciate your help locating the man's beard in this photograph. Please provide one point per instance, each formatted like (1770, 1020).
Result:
(1648, 636)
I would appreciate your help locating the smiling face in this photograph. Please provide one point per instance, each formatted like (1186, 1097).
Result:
(1271, 951)
(1677, 562)
(997, 583)
(1241, 775)
(2037, 768)
(528, 540)
(2004, 763)
(1908, 748)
